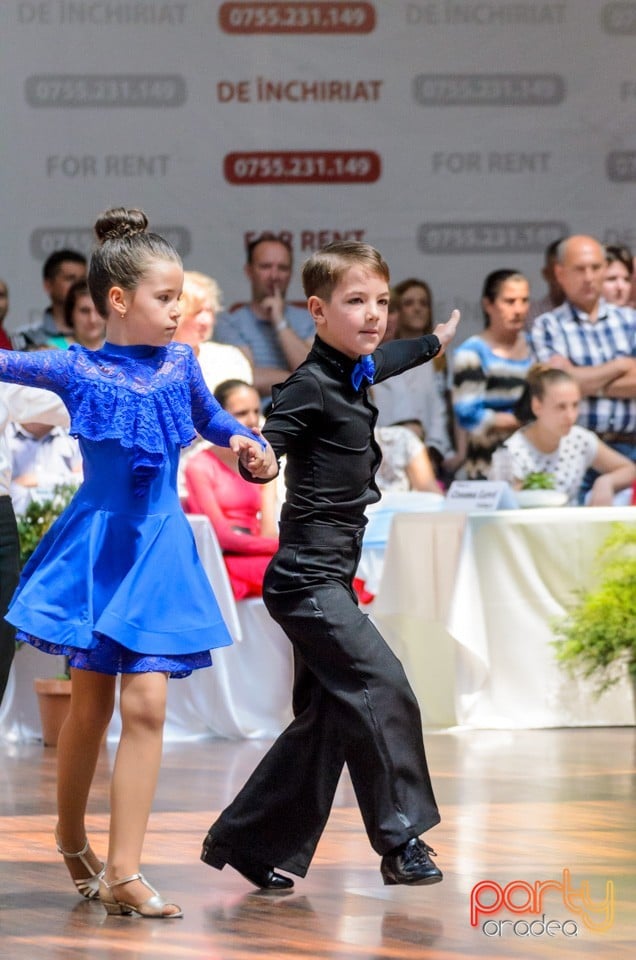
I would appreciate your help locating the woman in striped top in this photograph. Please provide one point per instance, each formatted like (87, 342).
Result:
(490, 370)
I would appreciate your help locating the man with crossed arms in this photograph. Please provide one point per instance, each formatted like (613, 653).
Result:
(594, 341)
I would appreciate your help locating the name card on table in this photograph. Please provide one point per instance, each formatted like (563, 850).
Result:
(470, 496)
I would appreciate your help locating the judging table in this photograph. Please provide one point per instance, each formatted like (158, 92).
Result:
(468, 602)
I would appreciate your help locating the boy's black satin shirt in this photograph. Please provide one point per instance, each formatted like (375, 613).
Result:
(325, 428)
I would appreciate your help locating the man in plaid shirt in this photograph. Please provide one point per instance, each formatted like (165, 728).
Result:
(594, 341)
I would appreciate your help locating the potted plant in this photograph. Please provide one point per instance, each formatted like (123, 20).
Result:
(39, 516)
(539, 480)
(597, 639)
(53, 693)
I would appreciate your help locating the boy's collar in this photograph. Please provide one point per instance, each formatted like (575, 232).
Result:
(344, 363)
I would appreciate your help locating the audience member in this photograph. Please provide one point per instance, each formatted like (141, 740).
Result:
(552, 443)
(554, 296)
(392, 316)
(490, 370)
(274, 335)
(404, 472)
(617, 285)
(415, 317)
(5, 342)
(200, 303)
(593, 341)
(416, 398)
(42, 457)
(16, 403)
(405, 463)
(415, 308)
(243, 515)
(81, 316)
(61, 269)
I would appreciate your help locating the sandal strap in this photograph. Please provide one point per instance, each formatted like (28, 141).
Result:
(71, 856)
(133, 876)
(118, 883)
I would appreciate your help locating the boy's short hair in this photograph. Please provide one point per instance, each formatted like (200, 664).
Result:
(325, 268)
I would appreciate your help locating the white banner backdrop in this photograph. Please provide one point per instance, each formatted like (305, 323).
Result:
(457, 136)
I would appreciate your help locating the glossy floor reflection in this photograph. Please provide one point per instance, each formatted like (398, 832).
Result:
(518, 808)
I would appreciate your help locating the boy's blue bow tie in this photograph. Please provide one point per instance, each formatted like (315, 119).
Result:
(365, 367)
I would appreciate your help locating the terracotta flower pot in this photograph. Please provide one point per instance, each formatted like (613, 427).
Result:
(54, 699)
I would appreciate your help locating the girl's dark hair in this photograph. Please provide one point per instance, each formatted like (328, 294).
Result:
(622, 254)
(493, 284)
(123, 254)
(224, 389)
(75, 291)
(540, 377)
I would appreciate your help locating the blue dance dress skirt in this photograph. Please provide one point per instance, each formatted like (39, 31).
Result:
(116, 584)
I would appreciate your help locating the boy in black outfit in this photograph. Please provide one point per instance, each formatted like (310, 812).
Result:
(352, 702)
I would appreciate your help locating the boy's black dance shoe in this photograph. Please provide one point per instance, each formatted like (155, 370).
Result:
(264, 877)
(411, 864)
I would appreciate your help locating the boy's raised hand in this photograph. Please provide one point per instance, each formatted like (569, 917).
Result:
(446, 331)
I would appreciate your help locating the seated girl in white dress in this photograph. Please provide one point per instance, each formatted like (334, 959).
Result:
(552, 443)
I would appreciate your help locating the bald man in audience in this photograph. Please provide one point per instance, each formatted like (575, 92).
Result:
(594, 341)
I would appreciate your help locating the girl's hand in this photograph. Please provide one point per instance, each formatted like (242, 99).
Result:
(261, 463)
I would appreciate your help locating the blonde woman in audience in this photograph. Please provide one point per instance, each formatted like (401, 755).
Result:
(200, 303)
(552, 443)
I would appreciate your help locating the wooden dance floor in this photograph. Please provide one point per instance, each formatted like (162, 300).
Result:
(518, 808)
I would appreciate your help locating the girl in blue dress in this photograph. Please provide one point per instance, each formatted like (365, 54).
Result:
(116, 584)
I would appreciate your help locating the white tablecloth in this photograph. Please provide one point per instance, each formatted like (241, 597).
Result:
(468, 603)
(376, 533)
(247, 693)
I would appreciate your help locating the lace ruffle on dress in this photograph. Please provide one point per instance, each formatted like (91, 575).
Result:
(116, 584)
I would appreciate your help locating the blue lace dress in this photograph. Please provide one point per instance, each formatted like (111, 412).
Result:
(116, 584)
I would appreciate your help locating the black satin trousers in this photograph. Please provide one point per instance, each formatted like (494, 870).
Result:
(352, 705)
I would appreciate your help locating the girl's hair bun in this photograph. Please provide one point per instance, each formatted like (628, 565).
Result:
(119, 222)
